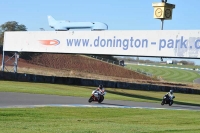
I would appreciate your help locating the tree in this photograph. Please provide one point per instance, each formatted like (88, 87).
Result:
(14, 26)
(10, 26)
(184, 62)
(1, 38)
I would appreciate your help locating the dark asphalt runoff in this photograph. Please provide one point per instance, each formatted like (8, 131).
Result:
(11, 99)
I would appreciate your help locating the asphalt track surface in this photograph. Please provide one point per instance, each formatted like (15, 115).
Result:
(197, 81)
(25, 100)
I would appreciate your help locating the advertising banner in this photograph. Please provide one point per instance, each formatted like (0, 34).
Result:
(166, 43)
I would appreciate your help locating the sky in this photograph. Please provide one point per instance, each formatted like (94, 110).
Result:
(118, 15)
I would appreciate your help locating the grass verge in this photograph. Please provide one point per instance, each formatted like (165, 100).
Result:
(168, 74)
(91, 120)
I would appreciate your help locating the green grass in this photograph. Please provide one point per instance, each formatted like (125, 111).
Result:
(174, 65)
(168, 74)
(93, 120)
(85, 91)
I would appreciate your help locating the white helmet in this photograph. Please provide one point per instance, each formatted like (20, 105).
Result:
(171, 91)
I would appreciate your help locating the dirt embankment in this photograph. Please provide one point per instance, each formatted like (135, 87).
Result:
(84, 64)
(71, 65)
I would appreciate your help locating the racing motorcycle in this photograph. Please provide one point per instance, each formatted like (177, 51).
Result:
(168, 100)
(97, 96)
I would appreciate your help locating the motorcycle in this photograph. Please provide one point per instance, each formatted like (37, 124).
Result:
(97, 96)
(168, 100)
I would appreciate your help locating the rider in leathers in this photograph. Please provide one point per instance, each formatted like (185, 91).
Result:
(169, 94)
(99, 90)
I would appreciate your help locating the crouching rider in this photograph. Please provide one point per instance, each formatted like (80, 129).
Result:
(98, 91)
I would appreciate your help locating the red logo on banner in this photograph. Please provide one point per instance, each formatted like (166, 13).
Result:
(50, 42)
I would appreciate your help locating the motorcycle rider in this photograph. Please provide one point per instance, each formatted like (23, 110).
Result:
(99, 90)
(168, 98)
(169, 94)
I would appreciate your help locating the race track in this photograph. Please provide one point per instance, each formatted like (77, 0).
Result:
(23, 100)
(197, 81)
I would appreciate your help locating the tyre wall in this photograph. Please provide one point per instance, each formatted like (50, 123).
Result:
(92, 82)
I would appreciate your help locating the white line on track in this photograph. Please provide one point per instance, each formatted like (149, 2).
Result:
(86, 106)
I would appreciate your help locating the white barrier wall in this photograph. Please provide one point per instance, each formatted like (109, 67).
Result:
(140, 43)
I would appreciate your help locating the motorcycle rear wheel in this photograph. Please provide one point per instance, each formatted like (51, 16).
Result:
(90, 99)
(163, 102)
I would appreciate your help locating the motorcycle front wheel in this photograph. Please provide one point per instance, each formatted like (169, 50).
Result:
(170, 103)
(101, 99)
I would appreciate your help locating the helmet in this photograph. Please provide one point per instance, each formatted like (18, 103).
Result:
(171, 91)
(100, 86)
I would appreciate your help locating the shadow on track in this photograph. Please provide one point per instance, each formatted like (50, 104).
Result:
(184, 103)
(150, 98)
(145, 97)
